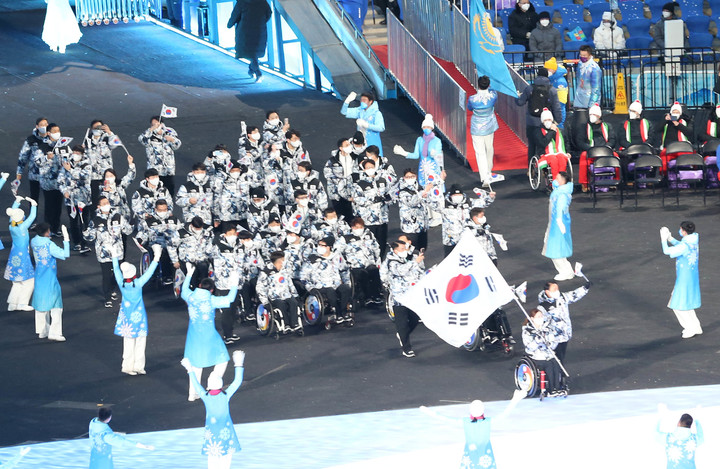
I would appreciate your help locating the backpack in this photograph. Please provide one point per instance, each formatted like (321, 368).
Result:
(539, 99)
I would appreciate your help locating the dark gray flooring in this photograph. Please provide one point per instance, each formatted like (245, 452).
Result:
(625, 337)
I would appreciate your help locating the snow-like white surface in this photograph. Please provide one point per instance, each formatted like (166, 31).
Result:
(585, 431)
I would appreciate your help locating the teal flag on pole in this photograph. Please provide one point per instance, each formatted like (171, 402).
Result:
(487, 51)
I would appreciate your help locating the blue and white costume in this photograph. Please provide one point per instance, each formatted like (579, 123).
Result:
(558, 236)
(686, 293)
(680, 445)
(374, 119)
(102, 439)
(47, 300)
(19, 269)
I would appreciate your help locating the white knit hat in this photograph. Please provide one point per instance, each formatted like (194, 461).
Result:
(214, 382)
(546, 115)
(128, 270)
(636, 106)
(16, 214)
(428, 122)
(676, 107)
(477, 409)
(595, 110)
(607, 16)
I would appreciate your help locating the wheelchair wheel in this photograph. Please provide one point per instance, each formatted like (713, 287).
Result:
(144, 263)
(472, 344)
(264, 320)
(534, 173)
(178, 282)
(527, 377)
(389, 302)
(314, 307)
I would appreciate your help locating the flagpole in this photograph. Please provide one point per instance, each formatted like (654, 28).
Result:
(522, 308)
(126, 150)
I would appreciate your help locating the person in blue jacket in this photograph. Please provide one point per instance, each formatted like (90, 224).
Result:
(428, 149)
(558, 238)
(19, 269)
(556, 74)
(103, 438)
(132, 323)
(483, 125)
(682, 442)
(686, 293)
(204, 347)
(368, 118)
(47, 300)
(221, 441)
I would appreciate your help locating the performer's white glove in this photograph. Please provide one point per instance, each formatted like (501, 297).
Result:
(185, 362)
(238, 357)
(561, 226)
(664, 233)
(398, 150)
(32, 201)
(66, 237)
(234, 279)
(190, 269)
(351, 97)
(4, 175)
(519, 394)
(19, 199)
(157, 252)
(361, 123)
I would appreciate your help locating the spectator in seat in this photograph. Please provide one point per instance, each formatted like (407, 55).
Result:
(545, 38)
(608, 35)
(521, 22)
(657, 31)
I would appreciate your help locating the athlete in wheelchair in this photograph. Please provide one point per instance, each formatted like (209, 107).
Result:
(493, 334)
(326, 278)
(540, 373)
(278, 311)
(543, 169)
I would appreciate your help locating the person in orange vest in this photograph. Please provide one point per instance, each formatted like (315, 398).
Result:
(597, 133)
(553, 141)
(636, 129)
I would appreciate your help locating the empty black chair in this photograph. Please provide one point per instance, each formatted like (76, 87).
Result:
(689, 169)
(640, 149)
(606, 172)
(648, 172)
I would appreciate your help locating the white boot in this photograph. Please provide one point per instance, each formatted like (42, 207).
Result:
(25, 308)
(12, 307)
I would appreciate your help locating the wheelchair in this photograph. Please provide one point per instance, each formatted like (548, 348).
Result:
(531, 379)
(541, 177)
(492, 335)
(145, 261)
(273, 322)
(317, 311)
(389, 304)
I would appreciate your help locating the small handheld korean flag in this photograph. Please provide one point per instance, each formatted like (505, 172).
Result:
(114, 142)
(63, 142)
(168, 112)
(456, 297)
(14, 187)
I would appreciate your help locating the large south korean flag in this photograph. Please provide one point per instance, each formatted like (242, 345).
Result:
(455, 297)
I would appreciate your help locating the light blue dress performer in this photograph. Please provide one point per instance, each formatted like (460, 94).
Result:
(19, 269)
(368, 118)
(478, 451)
(204, 347)
(47, 300)
(428, 149)
(558, 237)
(483, 125)
(3, 180)
(103, 438)
(680, 443)
(686, 293)
(221, 441)
(132, 323)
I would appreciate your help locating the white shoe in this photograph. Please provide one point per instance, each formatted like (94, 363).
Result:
(141, 372)
(12, 307)
(40, 336)
(57, 338)
(25, 308)
(561, 277)
(129, 372)
(688, 334)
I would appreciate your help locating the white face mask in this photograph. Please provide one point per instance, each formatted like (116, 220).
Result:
(105, 208)
(594, 119)
(402, 254)
(76, 157)
(274, 228)
(358, 231)
(347, 150)
(231, 239)
(537, 321)
(275, 154)
(481, 220)
(370, 172)
(547, 124)
(544, 22)
(411, 181)
(234, 174)
(201, 177)
(255, 136)
(110, 179)
(666, 14)
(296, 143)
(302, 175)
(555, 294)
(154, 181)
(322, 250)
(55, 135)
(634, 115)
(42, 130)
(525, 6)
(97, 132)
(274, 122)
(247, 243)
(332, 221)
(163, 215)
(303, 202)
(456, 199)
(291, 239)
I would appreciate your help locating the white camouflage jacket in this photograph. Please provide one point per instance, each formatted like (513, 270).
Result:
(371, 198)
(159, 151)
(359, 251)
(106, 231)
(202, 192)
(398, 274)
(153, 230)
(143, 200)
(324, 272)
